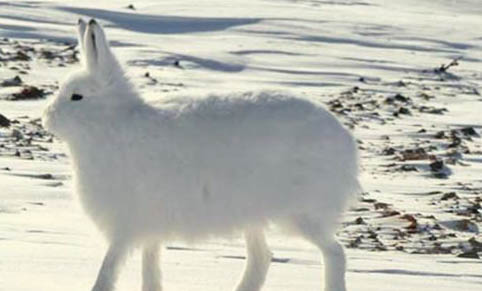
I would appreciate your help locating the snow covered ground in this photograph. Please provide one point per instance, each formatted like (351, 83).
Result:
(371, 61)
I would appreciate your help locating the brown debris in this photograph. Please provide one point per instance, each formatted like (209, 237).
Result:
(414, 155)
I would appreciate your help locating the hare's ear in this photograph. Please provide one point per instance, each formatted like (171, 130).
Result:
(81, 27)
(99, 58)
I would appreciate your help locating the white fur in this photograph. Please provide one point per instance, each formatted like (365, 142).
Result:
(197, 167)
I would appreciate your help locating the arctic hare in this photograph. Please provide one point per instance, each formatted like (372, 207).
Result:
(200, 167)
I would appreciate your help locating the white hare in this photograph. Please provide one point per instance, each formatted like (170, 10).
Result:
(200, 167)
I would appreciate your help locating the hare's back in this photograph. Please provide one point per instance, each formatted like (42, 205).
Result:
(271, 146)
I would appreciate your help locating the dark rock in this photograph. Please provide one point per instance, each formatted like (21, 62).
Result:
(408, 168)
(177, 64)
(401, 98)
(475, 244)
(368, 200)
(21, 56)
(355, 243)
(404, 110)
(381, 205)
(432, 110)
(469, 255)
(15, 81)
(390, 212)
(440, 134)
(49, 55)
(28, 93)
(45, 176)
(372, 234)
(449, 195)
(456, 141)
(388, 151)
(4, 122)
(437, 166)
(469, 131)
(414, 155)
(359, 220)
(409, 217)
(466, 225)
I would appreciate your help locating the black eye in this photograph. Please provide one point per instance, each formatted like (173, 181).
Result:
(76, 97)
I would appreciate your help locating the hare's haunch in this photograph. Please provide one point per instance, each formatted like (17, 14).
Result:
(192, 168)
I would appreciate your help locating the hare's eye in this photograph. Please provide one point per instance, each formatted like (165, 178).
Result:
(76, 97)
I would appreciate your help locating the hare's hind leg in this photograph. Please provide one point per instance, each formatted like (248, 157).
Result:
(321, 234)
(110, 267)
(151, 273)
(258, 260)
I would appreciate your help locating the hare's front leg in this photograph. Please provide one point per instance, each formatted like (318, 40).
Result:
(151, 273)
(110, 267)
(258, 260)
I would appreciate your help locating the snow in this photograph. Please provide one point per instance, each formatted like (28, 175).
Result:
(315, 48)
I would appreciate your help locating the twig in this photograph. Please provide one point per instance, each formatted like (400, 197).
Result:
(444, 68)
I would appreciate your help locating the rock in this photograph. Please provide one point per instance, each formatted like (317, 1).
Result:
(359, 220)
(440, 134)
(15, 81)
(21, 56)
(437, 166)
(49, 55)
(449, 195)
(131, 6)
(469, 255)
(466, 225)
(45, 176)
(368, 200)
(409, 217)
(469, 131)
(408, 168)
(414, 155)
(381, 205)
(401, 98)
(475, 244)
(4, 122)
(355, 243)
(177, 64)
(402, 110)
(456, 141)
(390, 212)
(388, 151)
(28, 93)
(432, 110)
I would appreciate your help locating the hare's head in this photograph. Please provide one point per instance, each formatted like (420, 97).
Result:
(91, 95)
